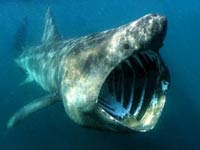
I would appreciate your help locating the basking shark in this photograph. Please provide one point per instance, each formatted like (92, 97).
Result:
(113, 80)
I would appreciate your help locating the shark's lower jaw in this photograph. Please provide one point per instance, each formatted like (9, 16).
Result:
(133, 94)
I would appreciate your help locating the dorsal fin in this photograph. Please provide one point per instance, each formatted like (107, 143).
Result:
(50, 33)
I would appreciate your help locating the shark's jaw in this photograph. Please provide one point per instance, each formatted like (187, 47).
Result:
(133, 94)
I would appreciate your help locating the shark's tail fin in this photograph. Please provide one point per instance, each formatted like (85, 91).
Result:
(50, 33)
(20, 37)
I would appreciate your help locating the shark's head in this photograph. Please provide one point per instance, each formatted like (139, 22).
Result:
(123, 80)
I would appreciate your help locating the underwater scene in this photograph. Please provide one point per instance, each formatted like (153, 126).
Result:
(99, 74)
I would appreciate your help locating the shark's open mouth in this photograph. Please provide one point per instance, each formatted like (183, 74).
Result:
(134, 92)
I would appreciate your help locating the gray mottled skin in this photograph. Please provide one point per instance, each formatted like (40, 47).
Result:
(75, 69)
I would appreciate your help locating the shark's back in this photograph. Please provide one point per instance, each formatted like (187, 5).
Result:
(47, 64)
(41, 63)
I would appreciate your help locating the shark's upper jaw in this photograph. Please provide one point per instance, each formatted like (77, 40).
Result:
(134, 92)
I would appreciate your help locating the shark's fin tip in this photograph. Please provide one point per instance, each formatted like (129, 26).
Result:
(50, 30)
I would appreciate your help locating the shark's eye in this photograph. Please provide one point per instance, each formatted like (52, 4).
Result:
(126, 46)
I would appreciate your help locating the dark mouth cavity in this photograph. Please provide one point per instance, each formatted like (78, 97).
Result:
(129, 88)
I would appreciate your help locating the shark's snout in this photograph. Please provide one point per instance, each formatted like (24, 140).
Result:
(158, 31)
(160, 25)
(147, 32)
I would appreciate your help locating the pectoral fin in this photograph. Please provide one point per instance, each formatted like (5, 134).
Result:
(32, 107)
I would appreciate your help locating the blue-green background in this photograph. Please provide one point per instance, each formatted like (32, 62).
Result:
(51, 129)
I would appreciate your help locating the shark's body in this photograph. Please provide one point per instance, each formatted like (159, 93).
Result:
(77, 72)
